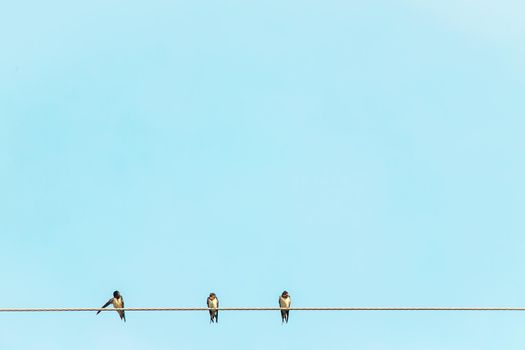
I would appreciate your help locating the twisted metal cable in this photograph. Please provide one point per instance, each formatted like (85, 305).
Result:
(267, 309)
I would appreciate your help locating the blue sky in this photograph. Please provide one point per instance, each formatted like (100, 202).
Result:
(353, 153)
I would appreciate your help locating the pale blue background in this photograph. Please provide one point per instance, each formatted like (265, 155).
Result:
(355, 153)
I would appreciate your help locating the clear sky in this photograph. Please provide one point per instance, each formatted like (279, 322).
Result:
(354, 153)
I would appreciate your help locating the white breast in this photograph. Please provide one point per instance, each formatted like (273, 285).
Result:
(284, 302)
(212, 304)
(117, 303)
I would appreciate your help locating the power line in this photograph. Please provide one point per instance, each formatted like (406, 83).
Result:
(267, 309)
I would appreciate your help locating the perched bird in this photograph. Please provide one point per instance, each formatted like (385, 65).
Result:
(118, 303)
(284, 303)
(213, 305)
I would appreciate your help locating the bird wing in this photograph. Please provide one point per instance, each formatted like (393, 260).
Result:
(105, 305)
(123, 316)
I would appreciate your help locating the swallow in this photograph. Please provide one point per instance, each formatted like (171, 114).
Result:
(213, 305)
(118, 303)
(284, 303)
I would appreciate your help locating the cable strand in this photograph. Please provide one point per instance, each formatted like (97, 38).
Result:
(149, 309)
